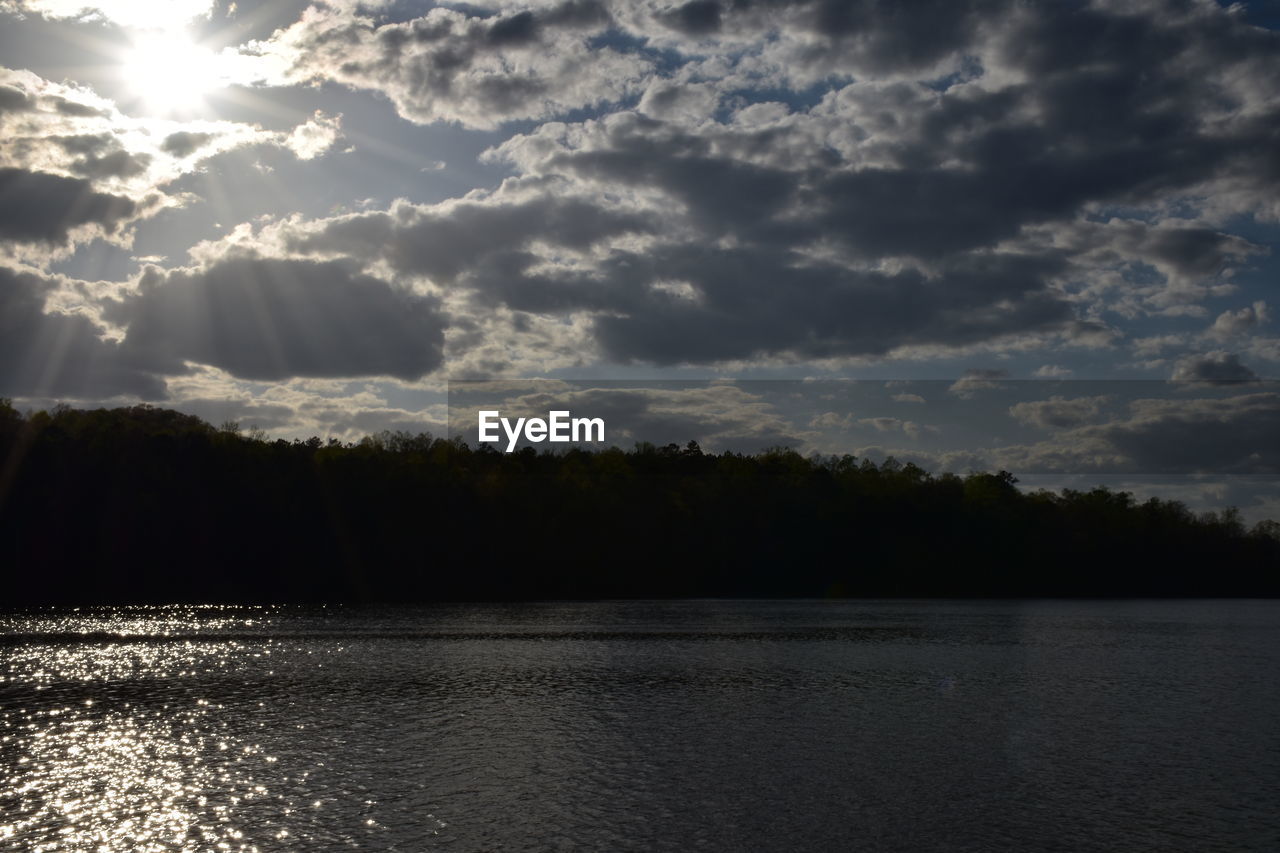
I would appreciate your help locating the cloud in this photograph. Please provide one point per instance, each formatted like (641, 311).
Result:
(977, 379)
(709, 184)
(1136, 268)
(1234, 435)
(687, 103)
(884, 424)
(538, 248)
(754, 303)
(833, 420)
(168, 15)
(944, 187)
(315, 136)
(272, 319)
(15, 100)
(1232, 324)
(447, 65)
(485, 242)
(1215, 366)
(248, 413)
(1000, 167)
(1053, 371)
(1157, 344)
(184, 143)
(36, 207)
(353, 423)
(48, 353)
(1059, 412)
(73, 168)
(695, 18)
(512, 268)
(303, 407)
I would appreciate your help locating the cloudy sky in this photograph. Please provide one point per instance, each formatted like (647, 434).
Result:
(309, 216)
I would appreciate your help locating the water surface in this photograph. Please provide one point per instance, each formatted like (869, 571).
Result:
(643, 726)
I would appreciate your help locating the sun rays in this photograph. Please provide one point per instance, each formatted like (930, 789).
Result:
(169, 74)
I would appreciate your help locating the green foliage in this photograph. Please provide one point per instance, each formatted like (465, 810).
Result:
(142, 503)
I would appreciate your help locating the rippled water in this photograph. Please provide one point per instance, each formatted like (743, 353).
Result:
(643, 726)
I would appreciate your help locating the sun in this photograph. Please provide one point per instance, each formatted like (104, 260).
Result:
(168, 73)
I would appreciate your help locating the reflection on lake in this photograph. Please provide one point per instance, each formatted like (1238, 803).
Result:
(669, 726)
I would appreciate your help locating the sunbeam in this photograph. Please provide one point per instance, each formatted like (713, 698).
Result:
(169, 74)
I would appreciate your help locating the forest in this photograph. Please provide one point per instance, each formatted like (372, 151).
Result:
(148, 505)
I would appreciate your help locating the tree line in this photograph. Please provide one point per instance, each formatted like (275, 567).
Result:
(145, 504)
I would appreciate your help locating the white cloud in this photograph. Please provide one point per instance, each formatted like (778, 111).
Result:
(315, 136)
(1232, 324)
(1053, 371)
(139, 14)
(451, 66)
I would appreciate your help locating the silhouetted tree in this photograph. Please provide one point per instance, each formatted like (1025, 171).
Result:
(147, 504)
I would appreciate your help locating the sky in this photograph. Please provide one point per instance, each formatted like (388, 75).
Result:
(309, 217)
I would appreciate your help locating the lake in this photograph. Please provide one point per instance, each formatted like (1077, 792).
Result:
(692, 725)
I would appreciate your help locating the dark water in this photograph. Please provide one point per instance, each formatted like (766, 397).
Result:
(644, 726)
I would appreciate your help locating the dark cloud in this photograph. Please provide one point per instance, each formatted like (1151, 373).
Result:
(718, 193)
(577, 14)
(695, 18)
(185, 143)
(983, 166)
(1059, 412)
(271, 319)
(44, 208)
(60, 355)
(734, 181)
(1232, 435)
(1166, 262)
(938, 178)
(1216, 366)
(117, 164)
(679, 302)
(15, 100)
(74, 109)
(1198, 252)
(746, 303)
(822, 36)
(480, 70)
(85, 143)
(942, 212)
(518, 29)
(476, 239)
